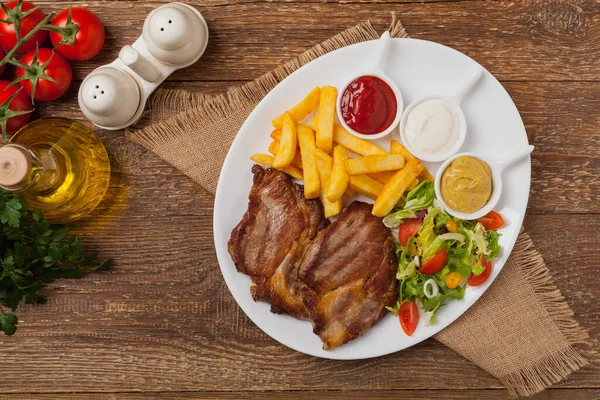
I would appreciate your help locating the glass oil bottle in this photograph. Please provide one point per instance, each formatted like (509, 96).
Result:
(59, 166)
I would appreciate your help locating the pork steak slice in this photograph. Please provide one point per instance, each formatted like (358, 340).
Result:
(349, 270)
(270, 240)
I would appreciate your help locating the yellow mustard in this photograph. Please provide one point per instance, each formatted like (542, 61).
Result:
(466, 184)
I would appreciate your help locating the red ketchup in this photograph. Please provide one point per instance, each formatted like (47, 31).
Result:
(369, 105)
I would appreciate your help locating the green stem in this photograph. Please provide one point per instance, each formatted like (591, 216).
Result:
(20, 40)
(15, 63)
(53, 28)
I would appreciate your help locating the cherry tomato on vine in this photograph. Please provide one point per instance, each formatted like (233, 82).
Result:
(409, 317)
(83, 35)
(9, 110)
(2, 54)
(8, 38)
(41, 65)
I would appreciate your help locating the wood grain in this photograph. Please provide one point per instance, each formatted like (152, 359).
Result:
(162, 320)
(513, 40)
(551, 394)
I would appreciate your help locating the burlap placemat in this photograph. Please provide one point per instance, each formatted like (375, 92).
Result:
(521, 330)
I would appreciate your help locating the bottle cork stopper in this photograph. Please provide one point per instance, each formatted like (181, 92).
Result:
(15, 166)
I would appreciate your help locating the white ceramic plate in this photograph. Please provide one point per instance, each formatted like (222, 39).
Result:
(419, 68)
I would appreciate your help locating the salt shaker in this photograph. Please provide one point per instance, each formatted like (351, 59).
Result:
(174, 36)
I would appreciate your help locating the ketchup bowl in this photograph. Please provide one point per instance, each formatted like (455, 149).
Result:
(370, 105)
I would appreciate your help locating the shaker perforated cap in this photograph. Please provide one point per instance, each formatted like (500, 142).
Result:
(109, 97)
(175, 34)
(15, 166)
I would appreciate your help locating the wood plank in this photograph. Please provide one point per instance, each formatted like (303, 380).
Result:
(213, 3)
(549, 394)
(163, 319)
(538, 40)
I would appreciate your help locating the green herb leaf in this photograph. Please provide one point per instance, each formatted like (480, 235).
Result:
(11, 213)
(8, 324)
(33, 253)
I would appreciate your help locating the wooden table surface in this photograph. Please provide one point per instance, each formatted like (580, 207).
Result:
(162, 323)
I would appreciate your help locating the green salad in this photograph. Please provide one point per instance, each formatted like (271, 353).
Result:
(438, 255)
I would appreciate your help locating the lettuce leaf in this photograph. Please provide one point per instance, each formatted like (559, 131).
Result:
(438, 244)
(420, 198)
(427, 234)
(492, 240)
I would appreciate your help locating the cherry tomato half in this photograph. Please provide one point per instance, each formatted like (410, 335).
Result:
(20, 103)
(436, 264)
(491, 220)
(408, 229)
(453, 280)
(84, 36)
(477, 280)
(58, 69)
(409, 317)
(8, 38)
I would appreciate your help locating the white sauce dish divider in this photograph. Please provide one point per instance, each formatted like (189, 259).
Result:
(434, 128)
(496, 165)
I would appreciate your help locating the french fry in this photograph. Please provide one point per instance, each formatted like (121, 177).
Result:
(315, 122)
(349, 191)
(326, 118)
(302, 109)
(267, 161)
(274, 149)
(356, 145)
(382, 176)
(312, 182)
(413, 184)
(372, 164)
(365, 185)
(339, 175)
(288, 142)
(325, 163)
(276, 134)
(398, 148)
(394, 189)
(426, 176)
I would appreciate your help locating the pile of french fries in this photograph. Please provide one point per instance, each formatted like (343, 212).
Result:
(319, 155)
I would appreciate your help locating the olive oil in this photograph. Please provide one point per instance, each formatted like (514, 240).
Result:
(68, 169)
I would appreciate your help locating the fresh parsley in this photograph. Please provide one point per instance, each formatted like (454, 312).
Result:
(33, 253)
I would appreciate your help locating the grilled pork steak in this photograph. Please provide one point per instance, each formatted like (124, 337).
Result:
(349, 270)
(272, 236)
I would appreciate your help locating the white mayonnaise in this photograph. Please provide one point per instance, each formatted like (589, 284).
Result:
(432, 127)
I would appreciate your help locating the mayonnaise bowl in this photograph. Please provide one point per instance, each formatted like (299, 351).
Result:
(440, 122)
(451, 148)
(497, 168)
